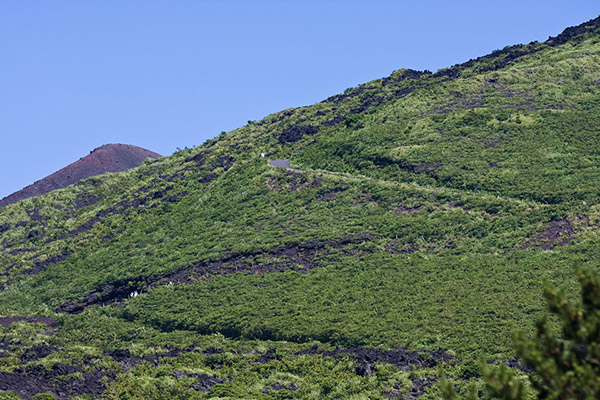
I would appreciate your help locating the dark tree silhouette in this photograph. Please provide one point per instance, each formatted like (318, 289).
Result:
(565, 366)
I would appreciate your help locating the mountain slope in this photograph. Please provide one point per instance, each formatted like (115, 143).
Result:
(423, 214)
(107, 158)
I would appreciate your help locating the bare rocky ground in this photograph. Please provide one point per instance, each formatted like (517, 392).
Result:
(34, 374)
(82, 378)
(107, 158)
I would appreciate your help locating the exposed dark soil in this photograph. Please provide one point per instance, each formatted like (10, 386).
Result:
(334, 121)
(36, 352)
(138, 203)
(85, 200)
(328, 196)
(32, 380)
(365, 358)
(210, 351)
(267, 357)
(575, 31)
(208, 178)
(199, 158)
(225, 162)
(6, 321)
(302, 254)
(364, 198)
(276, 387)
(557, 233)
(203, 382)
(418, 387)
(14, 252)
(294, 133)
(107, 158)
(306, 255)
(292, 180)
(395, 247)
(402, 209)
(106, 294)
(516, 364)
(34, 234)
(36, 216)
(38, 266)
(396, 393)
(127, 361)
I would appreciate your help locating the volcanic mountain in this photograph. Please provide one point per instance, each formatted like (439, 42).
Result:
(362, 247)
(106, 158)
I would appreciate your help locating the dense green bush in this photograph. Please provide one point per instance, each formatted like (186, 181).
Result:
(565, 364)
(430, 209)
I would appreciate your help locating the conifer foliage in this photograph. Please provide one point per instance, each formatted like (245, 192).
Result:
(565, 366)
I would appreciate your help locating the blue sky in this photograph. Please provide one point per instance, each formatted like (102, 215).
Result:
(165, 74)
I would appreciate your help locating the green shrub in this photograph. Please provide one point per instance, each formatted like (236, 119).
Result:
(565, 366)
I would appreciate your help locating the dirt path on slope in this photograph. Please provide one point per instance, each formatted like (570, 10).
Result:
(283, 164)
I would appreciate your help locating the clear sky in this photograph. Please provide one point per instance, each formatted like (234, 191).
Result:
(165, 74)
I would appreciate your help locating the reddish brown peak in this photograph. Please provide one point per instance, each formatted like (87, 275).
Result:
(107, 158)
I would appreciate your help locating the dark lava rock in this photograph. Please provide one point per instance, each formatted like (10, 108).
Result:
(127, 361)
(224, 162)
(91, 384)
(557, 233)
(204, 381)
(208, 178)
(268, 356)
(418, 387)
(37, 352)
(25, 386)
(60, 369)
(395, 394)
(119, 354)
(35, 379)
(40, 265)
(276, 387)
(303, 254)
(212, 350)
(86, 199)
(516, 364)
(365, 358)
(296, 132)
(6, 321)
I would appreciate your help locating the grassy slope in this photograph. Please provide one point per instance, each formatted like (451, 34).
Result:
(430, 214)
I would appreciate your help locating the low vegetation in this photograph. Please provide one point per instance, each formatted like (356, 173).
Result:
(423, 218)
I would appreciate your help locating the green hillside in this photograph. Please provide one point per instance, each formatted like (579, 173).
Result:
(419, 221)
